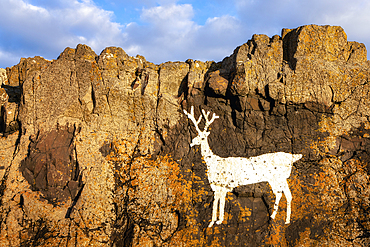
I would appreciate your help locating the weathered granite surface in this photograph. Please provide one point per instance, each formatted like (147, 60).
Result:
(95, 148)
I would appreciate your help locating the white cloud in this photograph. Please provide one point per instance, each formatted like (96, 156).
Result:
(218, 38)
(354, 17)
(166, 33)
(166, 29)
(9, 58)
(270, 16)
(173, 19)
(46, 31)
(171, 34)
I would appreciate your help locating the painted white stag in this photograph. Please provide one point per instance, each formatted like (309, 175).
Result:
(224, 174)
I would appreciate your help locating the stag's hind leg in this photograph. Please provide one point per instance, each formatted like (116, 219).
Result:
(276, 205)
(278, 190)
(288, 196)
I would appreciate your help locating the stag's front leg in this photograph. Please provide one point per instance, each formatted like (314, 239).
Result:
(223, 193)
(215, 206)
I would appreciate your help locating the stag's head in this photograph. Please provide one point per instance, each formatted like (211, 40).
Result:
(202, 135)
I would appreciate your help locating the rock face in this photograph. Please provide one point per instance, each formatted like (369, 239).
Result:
(95, 149)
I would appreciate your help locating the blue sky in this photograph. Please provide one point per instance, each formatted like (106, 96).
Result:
(164, 30)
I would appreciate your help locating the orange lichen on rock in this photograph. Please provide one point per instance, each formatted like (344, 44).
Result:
(154, 192)
(127, 176)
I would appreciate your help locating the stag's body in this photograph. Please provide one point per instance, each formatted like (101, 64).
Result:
(224, 174)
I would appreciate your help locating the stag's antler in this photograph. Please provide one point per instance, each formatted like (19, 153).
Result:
(208, 122)
(191, 116)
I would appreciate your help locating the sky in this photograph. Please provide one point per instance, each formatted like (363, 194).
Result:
(164, 30)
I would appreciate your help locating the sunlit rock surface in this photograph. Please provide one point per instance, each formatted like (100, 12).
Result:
(95, 149)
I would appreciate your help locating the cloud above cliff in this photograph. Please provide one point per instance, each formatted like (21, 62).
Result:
(46, 29)
(170, 33)
(166, 29)
(270, 15)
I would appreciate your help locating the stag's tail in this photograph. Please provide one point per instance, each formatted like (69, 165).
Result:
(296, 157)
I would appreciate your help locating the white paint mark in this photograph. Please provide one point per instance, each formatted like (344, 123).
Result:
(224, 174)
(108, 55)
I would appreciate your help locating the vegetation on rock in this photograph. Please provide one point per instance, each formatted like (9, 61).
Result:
(95, 148)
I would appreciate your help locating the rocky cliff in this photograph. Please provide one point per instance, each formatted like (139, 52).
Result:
(95, 148)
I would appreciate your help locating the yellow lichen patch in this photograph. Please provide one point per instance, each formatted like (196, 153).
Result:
(95, 74)
(197, 73)
(245, 212)
(155, 192)
(277, 237)
(325, 192)
(197, 196)
(228, 216)
(189, 236)
(324, 146)
(304, 239)
(305, 190)
(336, 126)
(216, 242)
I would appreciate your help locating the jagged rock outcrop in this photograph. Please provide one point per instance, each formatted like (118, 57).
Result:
(95, 148)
